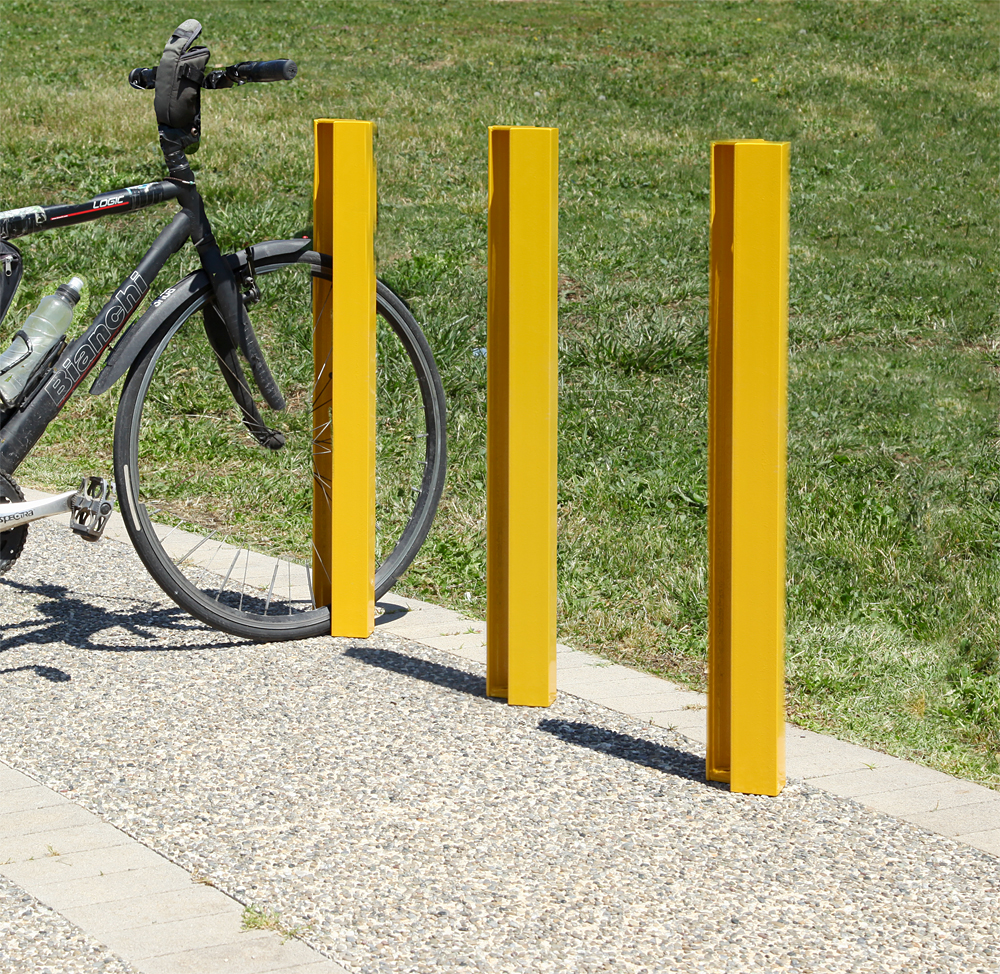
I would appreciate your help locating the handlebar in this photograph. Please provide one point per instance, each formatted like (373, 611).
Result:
(236, 74)
(280, 70)
(142, 78)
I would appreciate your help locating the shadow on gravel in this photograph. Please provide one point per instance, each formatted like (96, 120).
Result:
(661, 757)
(72, 620)
(419, 669)
(45, 672)
(673, 761)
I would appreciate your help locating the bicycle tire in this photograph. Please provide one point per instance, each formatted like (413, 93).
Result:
(186, 467)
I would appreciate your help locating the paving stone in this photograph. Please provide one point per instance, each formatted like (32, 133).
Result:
(891, 775)
(59, 815)
(93, 834)
(259, 955)
(137, 944)
(417, 614)
(690, 723)
(127, 885)
(569, 659)
(27, 799)
(194, 900)
(980, 817)
(592, 680)
(58, 866)
(468, 647)
(321, 967)
(659, 701)
(811, 756)
(988, 841)
(10, 780)
(928, 798)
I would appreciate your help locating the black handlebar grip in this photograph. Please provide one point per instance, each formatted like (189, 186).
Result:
(267, 70)
(142, 78)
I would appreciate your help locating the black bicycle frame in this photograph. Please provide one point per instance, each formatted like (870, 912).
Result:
(31, 219)
(24, 425)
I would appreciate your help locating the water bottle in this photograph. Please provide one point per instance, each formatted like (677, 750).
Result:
(45, 326)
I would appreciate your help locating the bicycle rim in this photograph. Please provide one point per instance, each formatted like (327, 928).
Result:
(225, 525)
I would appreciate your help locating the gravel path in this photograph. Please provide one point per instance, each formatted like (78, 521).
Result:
(371, 794)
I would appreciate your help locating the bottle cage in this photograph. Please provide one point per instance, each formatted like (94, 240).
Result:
(11, 269)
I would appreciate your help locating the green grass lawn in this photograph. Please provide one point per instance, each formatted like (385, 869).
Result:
(893, 474)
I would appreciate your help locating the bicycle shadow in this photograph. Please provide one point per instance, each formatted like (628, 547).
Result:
(51, 673)
(70, 619)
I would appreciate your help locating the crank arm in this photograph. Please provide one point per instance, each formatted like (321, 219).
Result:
(14, 515)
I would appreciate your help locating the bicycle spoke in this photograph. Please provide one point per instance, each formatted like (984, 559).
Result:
(202, 477)
(270, 590)
(207, 537)
(225, 581)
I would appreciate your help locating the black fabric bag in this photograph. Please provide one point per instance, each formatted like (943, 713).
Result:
(11, 269)
(177, 101)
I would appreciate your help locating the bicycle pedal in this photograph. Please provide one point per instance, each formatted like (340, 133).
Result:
(91, 508)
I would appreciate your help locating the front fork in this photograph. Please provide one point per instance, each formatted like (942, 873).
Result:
(228, 302)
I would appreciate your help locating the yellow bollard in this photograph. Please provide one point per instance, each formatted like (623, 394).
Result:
(522, 402)
(748, 339)
(344, 390)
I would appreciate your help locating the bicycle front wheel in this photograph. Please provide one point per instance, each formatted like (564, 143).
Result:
(223, 524)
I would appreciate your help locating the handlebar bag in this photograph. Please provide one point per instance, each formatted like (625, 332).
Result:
(11, 269)
(177, 101)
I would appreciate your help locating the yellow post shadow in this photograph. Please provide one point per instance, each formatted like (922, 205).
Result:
(522, 403)
(344, 389)
(747, 423)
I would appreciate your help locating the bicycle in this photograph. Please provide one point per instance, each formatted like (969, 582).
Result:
(228, 536)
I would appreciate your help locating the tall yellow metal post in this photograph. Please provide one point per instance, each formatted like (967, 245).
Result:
(748, 339)
(522, 401)
(344, 390)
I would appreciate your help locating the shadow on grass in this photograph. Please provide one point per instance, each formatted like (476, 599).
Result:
(661, 757)
(420, 669)
(72, 620)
